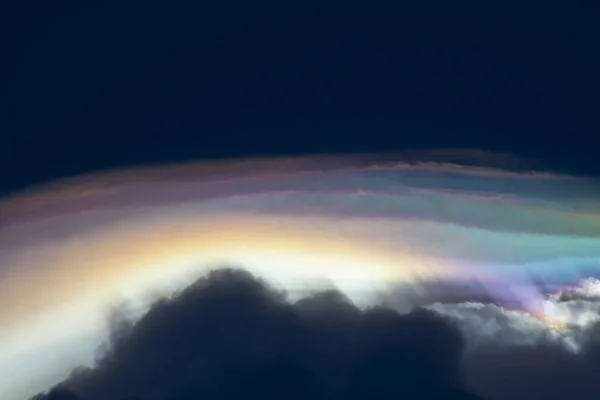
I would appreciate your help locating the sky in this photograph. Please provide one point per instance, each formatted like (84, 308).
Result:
(439, 161)
(83, 97)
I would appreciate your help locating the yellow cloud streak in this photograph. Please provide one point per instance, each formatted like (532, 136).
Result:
(126, 258)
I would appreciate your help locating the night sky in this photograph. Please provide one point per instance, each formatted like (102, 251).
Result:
(95, 87)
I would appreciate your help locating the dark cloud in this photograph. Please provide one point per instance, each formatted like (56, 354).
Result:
(232, 336)
(511, 355)
(544, 371)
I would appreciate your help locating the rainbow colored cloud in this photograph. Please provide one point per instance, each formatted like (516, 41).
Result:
(377, 227)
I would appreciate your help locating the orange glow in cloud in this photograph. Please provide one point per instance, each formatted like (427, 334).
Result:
(76, 282)
(129, 259)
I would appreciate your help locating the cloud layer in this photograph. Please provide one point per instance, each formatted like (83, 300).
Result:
(231, 336)
(480, 239)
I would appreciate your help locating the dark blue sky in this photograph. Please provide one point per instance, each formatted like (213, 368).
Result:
(94, 88)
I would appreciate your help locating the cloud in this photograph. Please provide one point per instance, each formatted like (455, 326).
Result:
(516, 355)
(469, 246)
(543, 371)
(231, 335)
(490, 324)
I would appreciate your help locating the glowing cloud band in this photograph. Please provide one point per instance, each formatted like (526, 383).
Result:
(370, 225)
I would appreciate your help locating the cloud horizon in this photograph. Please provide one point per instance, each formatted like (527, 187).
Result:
(203, 332)
(480, 239)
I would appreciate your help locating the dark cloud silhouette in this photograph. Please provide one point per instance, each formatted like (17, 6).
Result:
(545, 372)
(232, 336)
(57, 394)
(512, 356)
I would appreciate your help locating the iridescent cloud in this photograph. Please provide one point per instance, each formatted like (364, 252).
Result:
(378, 227)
